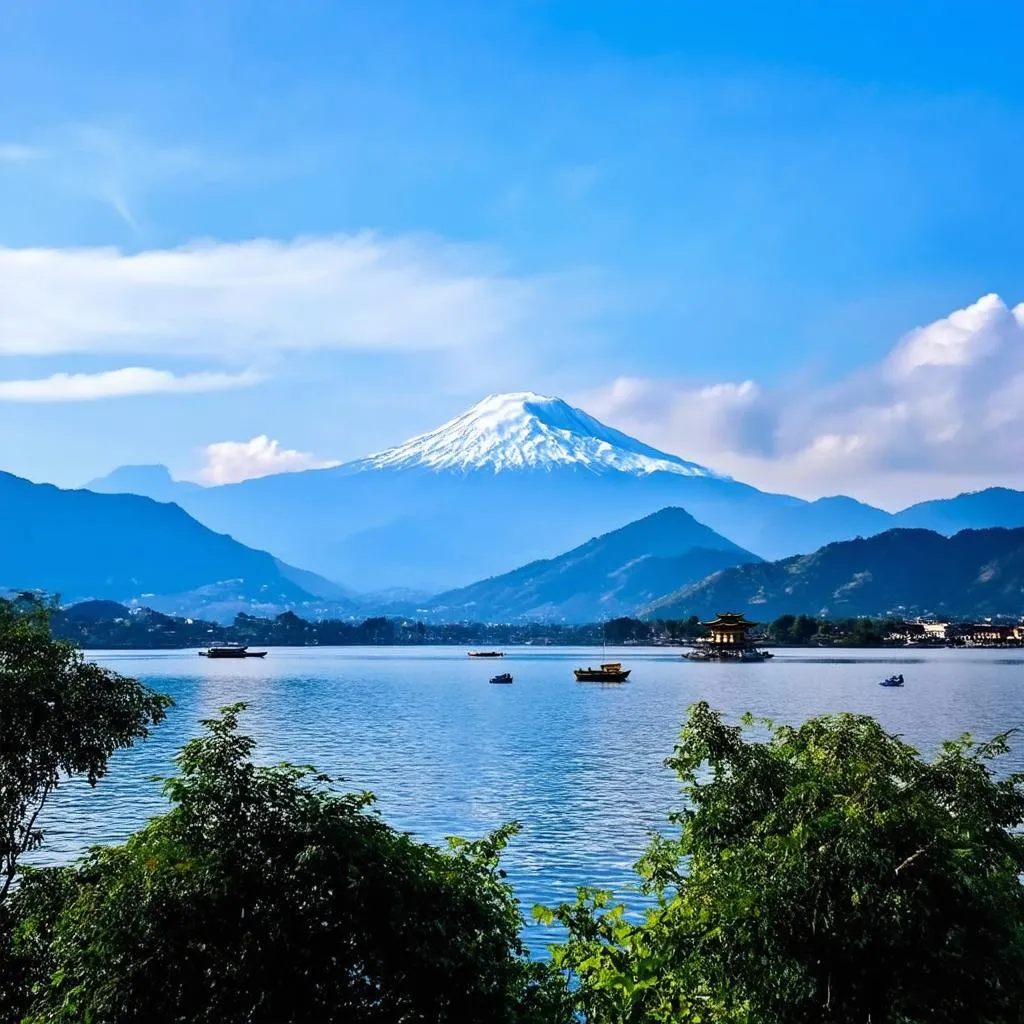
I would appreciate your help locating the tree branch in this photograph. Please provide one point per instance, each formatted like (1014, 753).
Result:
(917, 853)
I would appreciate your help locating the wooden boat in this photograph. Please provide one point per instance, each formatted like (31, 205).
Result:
(486, 654)
(504, 677)
(609, 672)
(231, 651)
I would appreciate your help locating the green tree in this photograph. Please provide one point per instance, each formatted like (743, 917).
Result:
(264, 896)
(626, 630)
(781, 630)
(803, 629)
(826, 874)
(60, 716)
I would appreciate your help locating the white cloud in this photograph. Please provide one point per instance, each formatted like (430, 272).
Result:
(228, 462)
(16, 153)
(943, 410)
(361, 292)
(132, 380)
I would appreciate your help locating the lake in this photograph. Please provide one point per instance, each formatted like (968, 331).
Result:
(580, 765)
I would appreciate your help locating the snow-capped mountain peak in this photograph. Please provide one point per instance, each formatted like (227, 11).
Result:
(523, 430)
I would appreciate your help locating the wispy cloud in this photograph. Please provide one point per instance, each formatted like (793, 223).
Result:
(17, 153)
(362, 292)
(113, 167)
(131, 380)
(228, 462)
(944, 408)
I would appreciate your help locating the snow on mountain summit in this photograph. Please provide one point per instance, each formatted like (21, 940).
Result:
(522, 430)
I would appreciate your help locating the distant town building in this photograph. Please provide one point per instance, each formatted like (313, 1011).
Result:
(981, 633)
(960, 634)
(907, 633)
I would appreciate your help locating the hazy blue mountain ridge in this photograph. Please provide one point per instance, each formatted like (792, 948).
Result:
(515, 479)
(124, 547)
(994, 506)
(610, 575)
(901, 572)
(153, 481)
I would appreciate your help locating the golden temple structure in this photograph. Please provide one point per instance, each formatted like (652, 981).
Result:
(729, 628)
(729, 639)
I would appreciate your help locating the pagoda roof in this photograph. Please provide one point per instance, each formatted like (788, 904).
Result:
(733, 619)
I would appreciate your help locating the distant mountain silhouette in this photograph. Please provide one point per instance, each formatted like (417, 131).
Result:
(995, 506)
(516, 478)
(900, 572)
(153, 482)
(122, 547)
(95, 611)
(610, 575)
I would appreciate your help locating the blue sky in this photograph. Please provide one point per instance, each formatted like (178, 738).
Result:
(391, 209)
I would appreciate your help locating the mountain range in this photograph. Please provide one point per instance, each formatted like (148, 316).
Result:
(124, 547)
(902, 572)
(133, 549)
(515, 479)
(520, 479)
(611, 575)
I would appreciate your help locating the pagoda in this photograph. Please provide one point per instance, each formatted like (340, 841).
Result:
(728, 640)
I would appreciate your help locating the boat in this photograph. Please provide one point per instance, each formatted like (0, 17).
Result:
(609, 672)
(486, 654)
(892, 681)
(231, 651)
(504, 677)
(709, 653)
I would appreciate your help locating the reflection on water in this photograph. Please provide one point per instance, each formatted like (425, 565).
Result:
(580, 765)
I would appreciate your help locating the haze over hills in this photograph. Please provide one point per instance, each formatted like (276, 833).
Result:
(902, 572)
(519, 477)
(610, 575)
(153, 482)
(995, 506)
(126, 548)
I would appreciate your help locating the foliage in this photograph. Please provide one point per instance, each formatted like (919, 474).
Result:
(265, 896)
(826, 873)
(107, 625)
(639, 631)
(801, 630)
(60, 715)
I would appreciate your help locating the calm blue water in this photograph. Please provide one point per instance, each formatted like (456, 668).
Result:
(580, 765)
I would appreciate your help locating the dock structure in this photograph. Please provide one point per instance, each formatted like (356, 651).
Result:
(728, 640)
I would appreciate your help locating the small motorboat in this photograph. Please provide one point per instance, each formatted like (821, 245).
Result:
(892, 680)
(231, 651)
(609, 672)
(504, 677)
(485, 654)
